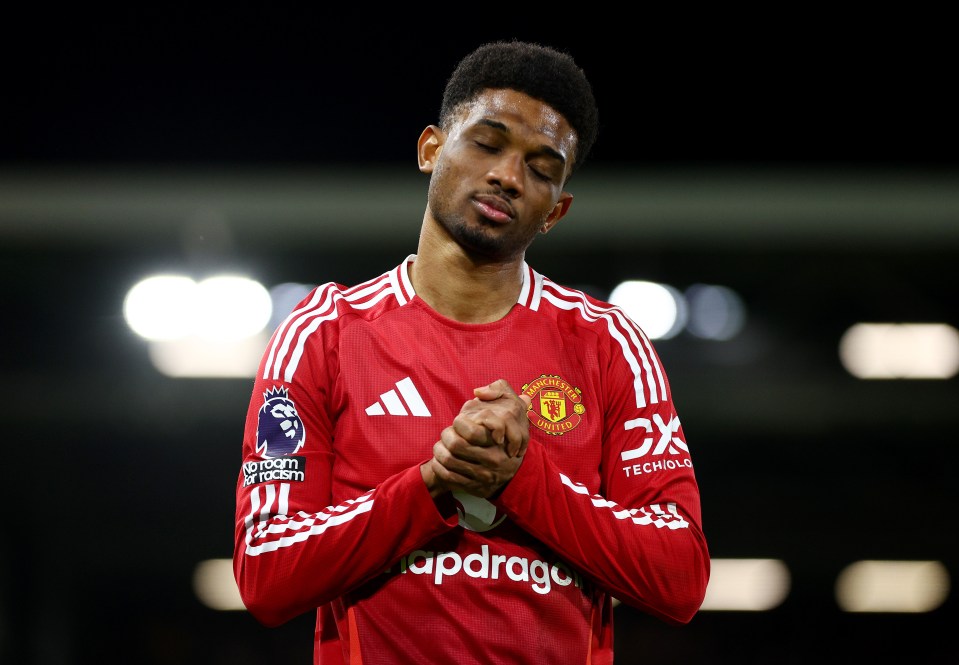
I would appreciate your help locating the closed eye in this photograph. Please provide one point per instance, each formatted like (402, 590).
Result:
(492, 149)
(541, 176)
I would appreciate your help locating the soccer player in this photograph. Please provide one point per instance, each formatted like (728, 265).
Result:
(460, 460)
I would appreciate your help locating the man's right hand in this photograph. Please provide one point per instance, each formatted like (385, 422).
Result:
(483, 448)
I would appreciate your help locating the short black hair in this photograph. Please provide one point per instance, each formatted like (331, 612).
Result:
(542, 72)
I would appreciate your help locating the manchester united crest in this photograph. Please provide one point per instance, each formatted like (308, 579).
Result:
(556, 407)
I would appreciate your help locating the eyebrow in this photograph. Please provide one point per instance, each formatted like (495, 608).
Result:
(545, 149)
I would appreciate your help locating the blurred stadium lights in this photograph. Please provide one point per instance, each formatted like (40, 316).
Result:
(659, 309)
(215, 586)
(706, 311)
(217, 327)
(211, 328)
(164, 307)
(746, 585)
(160, 307)
(735, 585)
(900, 351)
(198, 357)
(892, 586)
(715, 312)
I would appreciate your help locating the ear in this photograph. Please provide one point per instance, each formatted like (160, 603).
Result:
(428, 147)
(559, 211)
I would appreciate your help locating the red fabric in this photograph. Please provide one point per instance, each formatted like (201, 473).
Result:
(605, 503)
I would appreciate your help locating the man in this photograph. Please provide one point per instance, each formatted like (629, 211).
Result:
(461, 461)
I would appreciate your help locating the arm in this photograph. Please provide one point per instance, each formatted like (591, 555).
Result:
(291, 556)
(639, 533)
(648, 552)
(294, 550)
(642, 542)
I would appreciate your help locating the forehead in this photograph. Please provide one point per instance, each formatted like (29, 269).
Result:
(521, 114)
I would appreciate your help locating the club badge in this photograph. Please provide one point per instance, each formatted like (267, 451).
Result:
(556, 407)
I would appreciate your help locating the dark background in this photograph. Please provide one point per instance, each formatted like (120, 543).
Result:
(118, 480)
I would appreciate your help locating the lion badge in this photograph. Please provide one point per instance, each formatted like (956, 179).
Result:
(279, 430)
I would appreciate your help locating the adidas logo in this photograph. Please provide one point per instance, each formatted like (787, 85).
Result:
(395, 406)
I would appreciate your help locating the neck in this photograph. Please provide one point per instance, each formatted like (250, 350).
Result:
(462, 287)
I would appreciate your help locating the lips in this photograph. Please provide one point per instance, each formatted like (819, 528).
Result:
(494, 208)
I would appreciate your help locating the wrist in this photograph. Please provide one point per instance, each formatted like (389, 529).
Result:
(433, 484)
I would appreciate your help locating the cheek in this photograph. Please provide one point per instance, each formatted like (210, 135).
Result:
(440, 192)
(447, 178)
(437, 179)
(542, 204)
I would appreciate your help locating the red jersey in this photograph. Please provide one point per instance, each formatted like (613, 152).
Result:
(332, 513)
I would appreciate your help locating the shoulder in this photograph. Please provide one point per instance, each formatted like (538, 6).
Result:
(576, 304)
(610, 325)
(333, 301)
(315, 326)
(331, 306)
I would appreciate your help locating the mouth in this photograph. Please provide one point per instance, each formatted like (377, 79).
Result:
(493, 208)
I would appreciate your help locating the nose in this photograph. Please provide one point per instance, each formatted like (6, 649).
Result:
(508, 173)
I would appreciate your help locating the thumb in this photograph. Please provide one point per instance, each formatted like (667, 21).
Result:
(493, 391)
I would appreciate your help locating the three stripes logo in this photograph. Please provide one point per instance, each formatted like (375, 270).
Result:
(403, 401)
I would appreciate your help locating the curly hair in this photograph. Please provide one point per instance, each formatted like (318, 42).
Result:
(542, 72)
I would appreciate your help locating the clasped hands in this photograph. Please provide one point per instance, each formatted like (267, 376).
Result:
(482, 450)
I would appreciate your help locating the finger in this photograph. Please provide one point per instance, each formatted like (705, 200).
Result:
(449, 462)
(495, 390)
(454, 471)
(510, 433)
(481, 480)
(464, 456)
(500, 418)
(508, 423)
(497, 393)
(495, 413)
(494, 424)
(447, 479)
(471, 429)
(517, 436)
